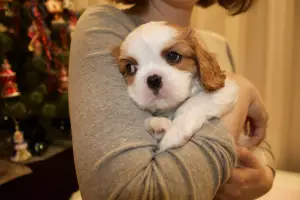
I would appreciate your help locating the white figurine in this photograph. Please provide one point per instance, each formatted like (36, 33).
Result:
(20, 147)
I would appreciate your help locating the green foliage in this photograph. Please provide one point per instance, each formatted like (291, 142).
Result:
(39, 64)
(39, 90)
(15, 108)
(49, 110)
(5, 45)
(36, 98)
(62, 106)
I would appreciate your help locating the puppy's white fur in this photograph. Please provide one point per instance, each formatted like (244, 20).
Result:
(145, 44)
(183, 104)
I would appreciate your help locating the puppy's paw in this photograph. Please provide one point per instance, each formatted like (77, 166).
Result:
(157, 126)
(173, 138)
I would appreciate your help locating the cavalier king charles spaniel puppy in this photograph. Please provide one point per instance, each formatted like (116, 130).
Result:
(170, 74)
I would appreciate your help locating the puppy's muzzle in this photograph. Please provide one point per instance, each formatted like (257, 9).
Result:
(154, 82)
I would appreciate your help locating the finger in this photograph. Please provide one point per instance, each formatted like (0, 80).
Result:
(258, 119)
(237, 177)
(240, 177)
(223, 193)
(247, 158)
(228, 192)
(221, 197)
(246, 126)
(257, 136)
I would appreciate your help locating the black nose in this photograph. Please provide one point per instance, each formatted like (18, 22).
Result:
(154, 82)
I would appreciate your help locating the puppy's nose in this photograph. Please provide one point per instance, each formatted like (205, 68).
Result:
(154, 82)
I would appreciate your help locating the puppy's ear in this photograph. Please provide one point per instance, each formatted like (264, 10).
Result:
(210, 74)
(115, 52)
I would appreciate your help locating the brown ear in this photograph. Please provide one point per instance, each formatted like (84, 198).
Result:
(116, 51)
(210, 74)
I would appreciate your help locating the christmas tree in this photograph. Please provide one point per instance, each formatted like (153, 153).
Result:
(35, 38)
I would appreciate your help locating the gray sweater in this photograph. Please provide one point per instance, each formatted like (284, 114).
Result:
(114, 155)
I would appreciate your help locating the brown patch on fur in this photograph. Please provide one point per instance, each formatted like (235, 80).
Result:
(210, 73)
(196, 58)
(125, 61)
(122, 62)
(187, 62)
(122, 68)
(115, 52)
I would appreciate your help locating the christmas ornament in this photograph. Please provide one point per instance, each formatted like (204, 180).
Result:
(42, 30)
(16, 20)
(37, 48)
(68, 4)
(58, 19)
(10, 89)
(34, 36)
(39, 148)
(58, 22)
(72, 25)
(35, 45)
(64, 38)
(5, 72)
(20, 146)
(33, 56)
(36, 135)
(54, 6)
(7, 76)
(3, 28)
(63, 80)
(4, 7)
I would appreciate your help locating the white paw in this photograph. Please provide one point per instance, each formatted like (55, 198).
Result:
(158, 126)
(173, 138)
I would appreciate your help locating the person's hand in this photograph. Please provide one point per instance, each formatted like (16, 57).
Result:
(247, 183)
(248, 108)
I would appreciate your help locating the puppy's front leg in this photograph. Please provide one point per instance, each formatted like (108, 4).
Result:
(157, 126)
(188, 119)
(181, 132)
(195, 111)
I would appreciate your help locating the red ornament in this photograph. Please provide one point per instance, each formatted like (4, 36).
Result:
(63, 80)
(64, 38)
(54, 6)
(8, 77)
(35, 44)
(6, 73)
(41, 28)
(2, 5)
(72, 24)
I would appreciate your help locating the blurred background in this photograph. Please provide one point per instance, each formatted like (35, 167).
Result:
(266, 48)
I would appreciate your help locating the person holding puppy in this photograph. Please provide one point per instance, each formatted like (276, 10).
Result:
(114, 154)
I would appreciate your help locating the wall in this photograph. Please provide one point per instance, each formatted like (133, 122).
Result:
(265, 43)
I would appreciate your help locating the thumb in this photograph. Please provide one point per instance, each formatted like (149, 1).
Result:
(247, 158)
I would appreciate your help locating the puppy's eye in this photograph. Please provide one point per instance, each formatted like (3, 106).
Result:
(130, 69)
(173, 57)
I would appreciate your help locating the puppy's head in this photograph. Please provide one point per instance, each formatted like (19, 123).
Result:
(163, 65)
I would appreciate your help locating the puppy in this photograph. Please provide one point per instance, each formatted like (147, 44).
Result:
(170, 74)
